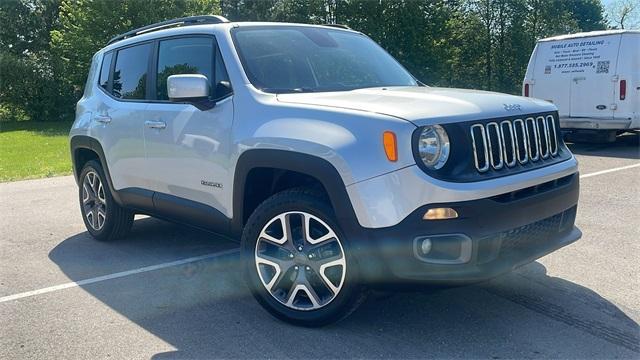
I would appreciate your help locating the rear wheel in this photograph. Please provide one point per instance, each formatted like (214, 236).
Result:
(592, 136)
(103, 217)
(297, 260)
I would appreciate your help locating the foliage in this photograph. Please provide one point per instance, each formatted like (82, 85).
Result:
(46, 45)
(27, 68)
(482, 44)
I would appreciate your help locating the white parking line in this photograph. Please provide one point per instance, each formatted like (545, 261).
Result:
(116, 275)
(608, 171)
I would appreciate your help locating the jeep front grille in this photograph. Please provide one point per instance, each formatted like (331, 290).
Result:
(513, 142)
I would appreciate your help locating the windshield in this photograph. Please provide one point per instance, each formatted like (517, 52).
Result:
(309, 59)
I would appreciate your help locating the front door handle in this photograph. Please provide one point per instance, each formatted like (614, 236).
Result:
(105, 119)
(155, 124)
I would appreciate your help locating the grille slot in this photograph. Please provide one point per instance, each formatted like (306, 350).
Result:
(514, 141)
(520, 240)
(553, 135)
(508, 140)
(495, 145)
(480, 148)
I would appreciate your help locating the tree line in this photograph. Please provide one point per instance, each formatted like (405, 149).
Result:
(46, 45)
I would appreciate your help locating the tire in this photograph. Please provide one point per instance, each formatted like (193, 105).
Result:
(104, 219)
(592, 136)
(288, 278)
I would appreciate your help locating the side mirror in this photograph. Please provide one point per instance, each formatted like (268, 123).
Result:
(187, 87)
(191, 88)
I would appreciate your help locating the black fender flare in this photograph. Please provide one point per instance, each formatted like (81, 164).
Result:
(89, 143)
(314, 166)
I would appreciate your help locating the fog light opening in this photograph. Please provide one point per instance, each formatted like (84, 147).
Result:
(443, 249)
(440, 214)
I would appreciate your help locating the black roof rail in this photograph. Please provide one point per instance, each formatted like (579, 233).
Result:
(339, 26)
(183, 21)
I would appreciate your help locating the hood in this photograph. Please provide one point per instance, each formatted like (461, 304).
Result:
(425, 105)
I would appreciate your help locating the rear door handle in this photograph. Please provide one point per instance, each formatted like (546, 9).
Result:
(155, 124)
(105, 119)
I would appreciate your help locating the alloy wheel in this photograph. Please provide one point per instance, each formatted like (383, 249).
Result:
(94, 202)
(300, 260)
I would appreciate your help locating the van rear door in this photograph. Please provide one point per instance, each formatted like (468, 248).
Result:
(593, 76)
(627, 91)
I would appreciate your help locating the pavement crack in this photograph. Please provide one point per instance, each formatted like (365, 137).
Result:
(596, 328)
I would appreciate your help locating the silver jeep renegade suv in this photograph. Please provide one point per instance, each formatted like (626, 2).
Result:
(338, 170)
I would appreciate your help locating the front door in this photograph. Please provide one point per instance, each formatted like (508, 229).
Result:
(187, 149)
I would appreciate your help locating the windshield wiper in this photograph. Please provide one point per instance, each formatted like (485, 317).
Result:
(287, 90)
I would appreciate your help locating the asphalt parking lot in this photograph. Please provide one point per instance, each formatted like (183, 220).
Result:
(169, 291)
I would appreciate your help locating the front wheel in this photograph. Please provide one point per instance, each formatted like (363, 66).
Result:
(297, 261)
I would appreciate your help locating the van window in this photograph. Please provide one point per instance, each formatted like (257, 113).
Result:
(183, 56)
(130, 75)
(104, 71)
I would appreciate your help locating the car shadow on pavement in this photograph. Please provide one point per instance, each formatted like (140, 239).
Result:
(204, 310)
(626, 146)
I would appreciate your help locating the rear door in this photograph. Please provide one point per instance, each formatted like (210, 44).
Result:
(627, 92)
(592, 66)
(119, 118)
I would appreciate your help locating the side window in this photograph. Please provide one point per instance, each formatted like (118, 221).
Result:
(104, 71)
(183, 56)
(223, 84)
(130, 74)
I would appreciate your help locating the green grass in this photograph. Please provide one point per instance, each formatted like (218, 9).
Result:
(30, 149)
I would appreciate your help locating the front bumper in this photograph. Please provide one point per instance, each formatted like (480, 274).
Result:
(506, 231)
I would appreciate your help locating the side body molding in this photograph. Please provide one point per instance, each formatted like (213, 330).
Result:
(306, 164)
(145, 201)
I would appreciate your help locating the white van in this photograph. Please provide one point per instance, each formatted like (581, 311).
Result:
(593, 78)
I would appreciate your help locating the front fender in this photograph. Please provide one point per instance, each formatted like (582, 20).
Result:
(310, 165)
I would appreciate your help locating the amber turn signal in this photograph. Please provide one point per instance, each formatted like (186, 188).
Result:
(390, 145)
(440, 214)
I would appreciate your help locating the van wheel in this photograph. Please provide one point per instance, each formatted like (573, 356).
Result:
(298, 262)
(103, 217)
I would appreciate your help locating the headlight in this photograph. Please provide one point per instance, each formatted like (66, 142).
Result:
(433, 146)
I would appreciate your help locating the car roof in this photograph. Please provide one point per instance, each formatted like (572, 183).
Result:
(589, 34)
(209, 29)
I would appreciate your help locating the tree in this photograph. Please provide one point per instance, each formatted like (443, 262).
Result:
(46, 45)
(27, 69)
(588, 14)
(624, 14)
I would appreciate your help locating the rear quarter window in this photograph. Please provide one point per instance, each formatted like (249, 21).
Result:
(104, 70)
